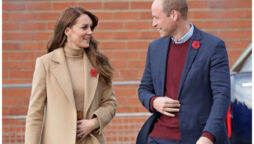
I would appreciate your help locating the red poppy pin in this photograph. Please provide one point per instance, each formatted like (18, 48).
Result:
(195, 44)
(93, 72)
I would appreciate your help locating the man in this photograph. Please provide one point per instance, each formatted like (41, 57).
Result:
(186, 81)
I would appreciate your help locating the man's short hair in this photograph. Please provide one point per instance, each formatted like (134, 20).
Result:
(179, 5)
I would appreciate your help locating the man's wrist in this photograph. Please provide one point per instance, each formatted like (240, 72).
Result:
(209, 136)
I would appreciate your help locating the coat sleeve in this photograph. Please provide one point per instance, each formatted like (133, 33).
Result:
(146, 88)
(37, 102)
(220, 86)
(106, 112)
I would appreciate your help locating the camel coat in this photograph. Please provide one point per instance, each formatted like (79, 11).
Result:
(52, 115)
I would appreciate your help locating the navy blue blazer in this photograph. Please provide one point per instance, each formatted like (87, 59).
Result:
(204, 91)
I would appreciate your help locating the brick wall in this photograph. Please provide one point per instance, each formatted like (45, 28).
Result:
(124, 33)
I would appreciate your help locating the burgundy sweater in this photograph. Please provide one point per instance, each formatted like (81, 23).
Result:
(168, 127)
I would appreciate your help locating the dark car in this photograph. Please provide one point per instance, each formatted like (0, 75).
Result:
(241, 99)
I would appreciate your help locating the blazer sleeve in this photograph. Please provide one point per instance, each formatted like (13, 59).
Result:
(146, 88)
(106, 112)
(35, 113)
(220, 86)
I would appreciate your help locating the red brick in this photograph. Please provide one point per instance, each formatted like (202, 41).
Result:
(21, 74)
(51, 26)
(112, 45)
(11, 46)
(197, 4)
(5, 16)
(34, 26)
(18, 36)
(136, 64)
(125, 55)
(109, 25)
(138, 25)
(10, 26)
(17, 81)
(125, 35)
(5, 74)
(138, 45)
(222, 4)
(29, 65)
(103, 35)
(248, 35)
(16, 111)
(23, 56)
(232, 34)
(12, 65)
(47, 16)
(119, 64)
(129, 73)
(12, 101)
(22, 16)
(126, 15)
(141, 5)
(91, 5)
(5, 56)
(241, 24)
(39, 6)
(116, 5)
(243, 4)
(248, 14)
(62, 6)
(215, 24)
(146, 15)
(34, 46)
(234, 53)
(13, 6)
(43, 35)
(104, 15)
(149, 35)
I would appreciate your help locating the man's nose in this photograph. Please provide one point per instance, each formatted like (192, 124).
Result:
(154, 23)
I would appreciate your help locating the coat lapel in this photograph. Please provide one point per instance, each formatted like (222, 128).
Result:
(164, 47)
(61, 72)
(189, 58)
(90, 83)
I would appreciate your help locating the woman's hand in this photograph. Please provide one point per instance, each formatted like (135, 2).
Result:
(85, 126)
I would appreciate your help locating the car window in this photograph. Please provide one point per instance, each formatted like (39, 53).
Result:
(247, 65)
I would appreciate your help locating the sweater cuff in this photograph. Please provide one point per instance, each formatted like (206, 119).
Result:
(151, 103)
(208, 135)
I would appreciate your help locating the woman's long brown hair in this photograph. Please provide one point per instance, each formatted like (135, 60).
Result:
(99, 61)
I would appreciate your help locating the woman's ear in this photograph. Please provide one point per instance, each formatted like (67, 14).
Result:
(67, 31)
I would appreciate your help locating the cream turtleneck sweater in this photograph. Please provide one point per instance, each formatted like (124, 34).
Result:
(74, 60)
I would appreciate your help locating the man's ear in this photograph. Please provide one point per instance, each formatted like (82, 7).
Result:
(175, 15)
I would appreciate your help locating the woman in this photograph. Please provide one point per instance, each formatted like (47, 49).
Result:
(72, 99)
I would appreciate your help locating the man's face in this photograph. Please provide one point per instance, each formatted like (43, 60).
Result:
(163, 23)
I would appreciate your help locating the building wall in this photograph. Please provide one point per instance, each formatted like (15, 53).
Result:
(124, 32)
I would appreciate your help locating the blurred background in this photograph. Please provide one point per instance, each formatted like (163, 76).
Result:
(124, 32)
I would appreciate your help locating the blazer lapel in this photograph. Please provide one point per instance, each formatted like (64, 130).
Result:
(61, 72)
(90, 83)
(164, 47)
(189, 58)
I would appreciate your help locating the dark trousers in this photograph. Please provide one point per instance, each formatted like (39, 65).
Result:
(153, 140)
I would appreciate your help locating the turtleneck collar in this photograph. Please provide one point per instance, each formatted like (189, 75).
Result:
(72, 52)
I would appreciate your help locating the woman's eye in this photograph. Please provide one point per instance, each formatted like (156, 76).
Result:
(85, 27)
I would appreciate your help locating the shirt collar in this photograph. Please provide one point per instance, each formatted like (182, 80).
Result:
(187, 36)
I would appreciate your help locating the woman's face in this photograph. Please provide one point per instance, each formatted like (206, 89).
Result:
(79, 35)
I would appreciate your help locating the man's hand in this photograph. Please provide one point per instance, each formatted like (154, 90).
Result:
(166, 106)
(204, 140)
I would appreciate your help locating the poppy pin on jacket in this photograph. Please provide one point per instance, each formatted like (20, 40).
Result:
(93, 72)
(195, 44)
